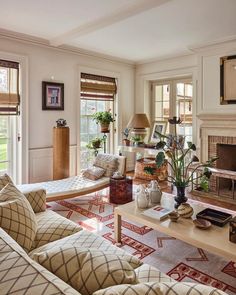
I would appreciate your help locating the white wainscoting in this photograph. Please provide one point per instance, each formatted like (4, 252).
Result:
(41, 164)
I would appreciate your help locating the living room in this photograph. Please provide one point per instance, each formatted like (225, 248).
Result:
(141, 46)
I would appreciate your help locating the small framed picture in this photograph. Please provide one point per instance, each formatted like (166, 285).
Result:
(158, 127)
(52, 96)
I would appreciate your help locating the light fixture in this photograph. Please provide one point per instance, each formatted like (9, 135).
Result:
(139, 123)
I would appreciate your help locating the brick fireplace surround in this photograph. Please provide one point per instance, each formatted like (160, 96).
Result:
(216, 131)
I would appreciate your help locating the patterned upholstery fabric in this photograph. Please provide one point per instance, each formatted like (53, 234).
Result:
(21, 275)
(154, 288)
(93, 173)
(17, 217)
(147, 273)
(87, 270)
(107, 162)
(51, 227)
(4, 180)
(37, 199)
(86, 239)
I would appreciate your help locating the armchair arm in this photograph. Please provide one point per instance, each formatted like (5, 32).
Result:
(37, 199)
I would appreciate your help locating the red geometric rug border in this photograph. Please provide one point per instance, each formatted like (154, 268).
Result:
(85, 212)
(141, 250)
(182, 271)
(140, 230)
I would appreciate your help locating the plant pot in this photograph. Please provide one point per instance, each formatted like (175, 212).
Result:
(105, 127)
(180, 198)
(126, 142)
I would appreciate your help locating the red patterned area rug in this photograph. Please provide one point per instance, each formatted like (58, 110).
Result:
(176, 258)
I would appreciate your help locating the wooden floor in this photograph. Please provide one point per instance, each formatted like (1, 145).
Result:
(166, 188)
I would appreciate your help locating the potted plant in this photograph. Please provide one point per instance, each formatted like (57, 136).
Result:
(136, 139)
(126, 134)
(104, 119)
(95, 144)
(180, 160)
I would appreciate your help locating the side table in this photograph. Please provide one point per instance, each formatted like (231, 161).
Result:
(121, 190)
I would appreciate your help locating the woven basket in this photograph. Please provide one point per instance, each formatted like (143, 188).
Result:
(160, 174)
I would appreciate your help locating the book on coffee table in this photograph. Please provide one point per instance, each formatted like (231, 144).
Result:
(157, 212)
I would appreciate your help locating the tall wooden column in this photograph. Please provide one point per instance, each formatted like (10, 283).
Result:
(61, 153)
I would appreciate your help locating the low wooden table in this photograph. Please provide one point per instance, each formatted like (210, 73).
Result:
(214, 239)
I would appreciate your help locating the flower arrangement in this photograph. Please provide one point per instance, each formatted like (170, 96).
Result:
(180, 161)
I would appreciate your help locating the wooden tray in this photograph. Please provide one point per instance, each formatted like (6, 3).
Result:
(214, 216)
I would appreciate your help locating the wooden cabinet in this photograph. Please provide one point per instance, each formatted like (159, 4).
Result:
(61, 153)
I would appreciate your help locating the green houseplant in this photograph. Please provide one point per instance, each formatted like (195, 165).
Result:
(180, 160)
(126, 135)
(95, 144)
(104, 119)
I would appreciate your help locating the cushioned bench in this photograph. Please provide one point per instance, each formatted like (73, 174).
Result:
(72, 186)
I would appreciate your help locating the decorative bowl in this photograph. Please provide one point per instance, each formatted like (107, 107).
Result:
(202, 223)
(174, 216)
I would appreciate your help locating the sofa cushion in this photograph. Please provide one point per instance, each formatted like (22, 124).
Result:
(93, 173)
(51, 227)
(107, 162)
(147, 273)
(21, 275)
(87, 270)
(154, 288)
(17, 217)
(86, 239)
(4, 180)
(36, 198)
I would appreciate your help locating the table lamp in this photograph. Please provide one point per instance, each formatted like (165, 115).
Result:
(139, 123)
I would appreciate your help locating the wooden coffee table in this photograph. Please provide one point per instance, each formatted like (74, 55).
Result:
(214, 239)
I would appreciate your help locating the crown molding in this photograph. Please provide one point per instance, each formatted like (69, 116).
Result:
(217, 117)
(24, 38)
(215, 44)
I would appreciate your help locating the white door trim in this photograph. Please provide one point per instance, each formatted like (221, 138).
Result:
(23, 171)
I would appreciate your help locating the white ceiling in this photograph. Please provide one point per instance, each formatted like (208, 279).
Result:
(136, 30)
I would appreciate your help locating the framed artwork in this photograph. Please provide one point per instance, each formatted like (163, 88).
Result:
(158, 126)
(227, 80)
(52, 96)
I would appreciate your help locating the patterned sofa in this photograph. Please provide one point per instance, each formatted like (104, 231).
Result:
(54, 262)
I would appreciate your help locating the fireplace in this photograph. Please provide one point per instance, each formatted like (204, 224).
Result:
(223, 147)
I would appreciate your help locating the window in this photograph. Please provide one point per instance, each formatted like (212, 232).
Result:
(174, 98)
(97, 95)
(9, 108)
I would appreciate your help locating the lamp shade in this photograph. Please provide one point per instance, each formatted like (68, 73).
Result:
(139, 121)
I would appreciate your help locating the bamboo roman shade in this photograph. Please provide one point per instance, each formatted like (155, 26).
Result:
(9, 88)
(94, 87)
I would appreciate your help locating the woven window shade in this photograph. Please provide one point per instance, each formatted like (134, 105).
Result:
(97, 87)
(9, 88)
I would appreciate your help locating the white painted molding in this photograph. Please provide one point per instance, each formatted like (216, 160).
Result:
(112, 18)
(41, 164)
(24, 38)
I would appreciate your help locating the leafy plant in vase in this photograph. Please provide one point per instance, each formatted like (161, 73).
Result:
(95, 144)
(104, 119)
(180, 160)
(126, 134)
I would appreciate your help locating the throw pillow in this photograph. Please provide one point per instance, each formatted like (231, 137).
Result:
(4, 180)
(17, 217)
(87, 270)
(107, 162)
(155, 288)
(93, 173)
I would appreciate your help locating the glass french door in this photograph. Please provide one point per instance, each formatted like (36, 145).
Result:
(8, 146)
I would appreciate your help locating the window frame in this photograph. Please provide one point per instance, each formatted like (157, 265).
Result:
(173, 97)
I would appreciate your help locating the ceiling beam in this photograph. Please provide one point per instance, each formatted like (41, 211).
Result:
(114, 17)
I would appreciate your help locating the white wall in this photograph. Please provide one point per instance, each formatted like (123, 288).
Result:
(45, 62)
(204, 67)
